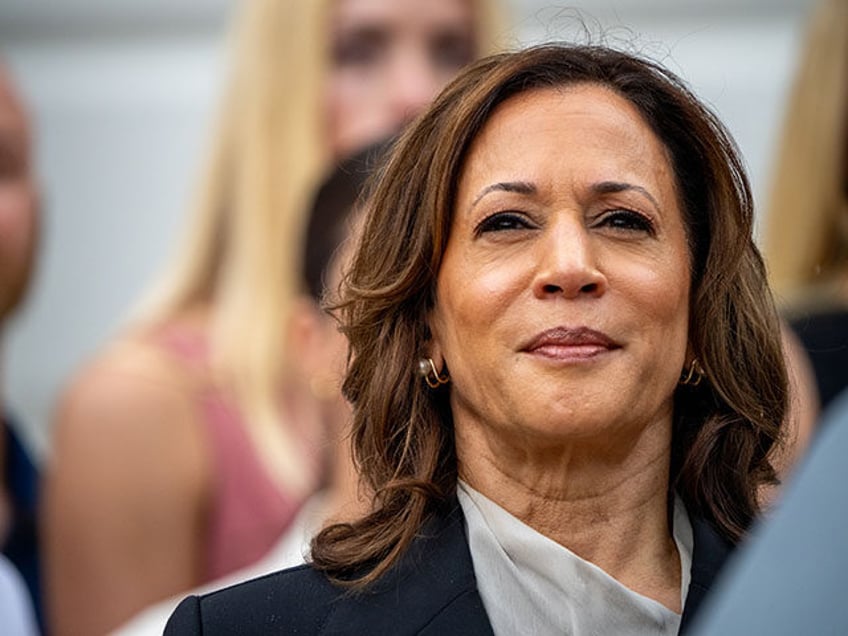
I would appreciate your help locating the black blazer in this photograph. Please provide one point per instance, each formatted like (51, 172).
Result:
(431, 590)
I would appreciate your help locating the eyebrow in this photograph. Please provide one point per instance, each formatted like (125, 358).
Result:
(603, 187)
(611, 187)
(521, 187)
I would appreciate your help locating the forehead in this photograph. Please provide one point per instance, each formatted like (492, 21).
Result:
(578, 131)
(578, 112)
(397, 13)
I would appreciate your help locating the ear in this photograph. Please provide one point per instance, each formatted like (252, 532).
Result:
(304, 335)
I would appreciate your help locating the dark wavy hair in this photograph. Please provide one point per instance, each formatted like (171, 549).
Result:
(332, 208)
(403, 438)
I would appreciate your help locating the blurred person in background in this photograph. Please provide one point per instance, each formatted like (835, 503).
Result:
(19, 224)
(806, 240)
(184, 451)
(789, 577)
(333, 220)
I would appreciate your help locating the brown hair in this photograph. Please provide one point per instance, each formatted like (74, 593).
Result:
(403, 432)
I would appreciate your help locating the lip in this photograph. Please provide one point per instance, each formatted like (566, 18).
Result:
(570, 343)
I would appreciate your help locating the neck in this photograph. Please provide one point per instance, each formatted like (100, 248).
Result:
(607, 505)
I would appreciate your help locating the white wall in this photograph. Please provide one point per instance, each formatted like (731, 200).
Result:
(123, 93)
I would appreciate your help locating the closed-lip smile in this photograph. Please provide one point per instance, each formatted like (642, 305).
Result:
(570, 343)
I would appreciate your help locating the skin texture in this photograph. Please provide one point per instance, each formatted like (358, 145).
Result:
(388, 61)
(567, 435)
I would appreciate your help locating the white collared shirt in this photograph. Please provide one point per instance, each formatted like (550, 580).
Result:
(530, 584)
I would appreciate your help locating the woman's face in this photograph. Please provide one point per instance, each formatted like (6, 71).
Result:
(18, 213)
(388, 60)
(562, 299)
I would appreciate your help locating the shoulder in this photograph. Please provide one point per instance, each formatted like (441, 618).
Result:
(132, 378)
(431, 589)
(129, 409)
(135, 361)
(296, 601)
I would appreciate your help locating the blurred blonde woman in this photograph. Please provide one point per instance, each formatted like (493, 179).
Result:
(186, 448)
(807, 223)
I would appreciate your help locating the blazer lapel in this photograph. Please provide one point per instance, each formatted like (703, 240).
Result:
(432, 590)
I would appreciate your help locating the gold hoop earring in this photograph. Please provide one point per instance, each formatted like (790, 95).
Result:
(693, 375)
(427, 370)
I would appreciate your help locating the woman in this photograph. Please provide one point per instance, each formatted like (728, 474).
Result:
(20, 217)
(333, 217)
(565, 367)
(806, 236)
(185, 450)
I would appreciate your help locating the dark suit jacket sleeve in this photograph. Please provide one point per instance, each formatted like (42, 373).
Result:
(185, 619)
(298, 601)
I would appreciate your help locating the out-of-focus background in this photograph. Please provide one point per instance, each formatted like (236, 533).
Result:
(122, 95)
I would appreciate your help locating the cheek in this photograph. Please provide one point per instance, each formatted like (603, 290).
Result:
(664, 295)
(660, 295)
(473, 298)
(344, 93)
(356, 113)
(338, 104)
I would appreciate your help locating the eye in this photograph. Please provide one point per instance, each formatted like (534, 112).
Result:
(359, 48)
(627, 221)
(451, 51)
(502, 222)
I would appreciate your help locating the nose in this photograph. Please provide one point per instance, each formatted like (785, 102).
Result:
(566, 264)
(414, 84)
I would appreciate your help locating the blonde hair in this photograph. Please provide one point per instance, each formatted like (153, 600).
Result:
(806, 241)
(243, 249)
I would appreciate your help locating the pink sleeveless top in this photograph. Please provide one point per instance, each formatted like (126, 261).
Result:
(248, 513)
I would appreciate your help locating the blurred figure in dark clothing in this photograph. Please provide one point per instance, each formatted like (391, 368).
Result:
(18, 239)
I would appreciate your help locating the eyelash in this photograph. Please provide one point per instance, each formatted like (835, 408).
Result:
(501, 222)
(628, 221)
(619, 220)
